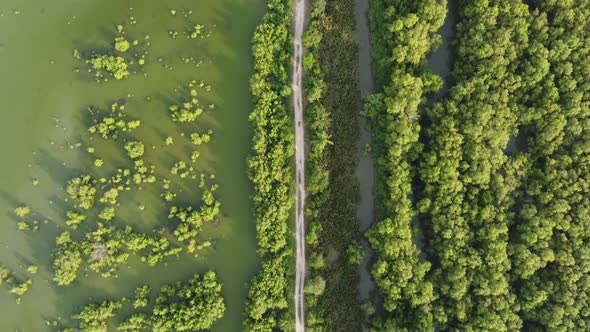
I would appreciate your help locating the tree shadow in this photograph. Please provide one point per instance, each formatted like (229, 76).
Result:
(55, 168)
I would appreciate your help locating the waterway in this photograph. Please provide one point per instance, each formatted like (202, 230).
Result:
(44, 103)
(365, 171)
(441, 60)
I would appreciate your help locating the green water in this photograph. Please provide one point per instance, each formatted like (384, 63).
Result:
(44, 105)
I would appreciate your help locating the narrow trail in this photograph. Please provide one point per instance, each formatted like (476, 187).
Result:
(299, 16)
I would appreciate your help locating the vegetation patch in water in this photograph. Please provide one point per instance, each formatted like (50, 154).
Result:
(191, 306)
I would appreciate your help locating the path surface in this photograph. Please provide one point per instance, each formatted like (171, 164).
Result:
(365, 170)
(299, 16)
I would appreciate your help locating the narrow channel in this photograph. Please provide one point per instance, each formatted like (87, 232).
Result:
(441, 60)
(440, 63)
(365, 170)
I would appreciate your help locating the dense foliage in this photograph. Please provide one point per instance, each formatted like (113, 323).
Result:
(495, 170)
(468, 178)
(331, 88)
(68, 258)
(270, 169)
(550, 237)
(191, 306)
(403, 34)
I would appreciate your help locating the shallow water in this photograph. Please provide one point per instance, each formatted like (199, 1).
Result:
(440, 61)
(45, 105)
(365, 171)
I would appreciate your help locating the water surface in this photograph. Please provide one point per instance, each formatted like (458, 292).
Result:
(365, 171)
(45, 104)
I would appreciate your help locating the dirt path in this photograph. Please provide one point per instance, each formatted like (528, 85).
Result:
(299, 16)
